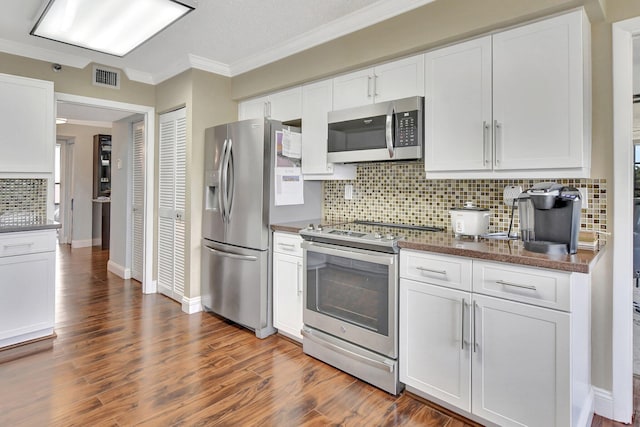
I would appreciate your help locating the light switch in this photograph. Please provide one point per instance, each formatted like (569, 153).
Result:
(119, 163)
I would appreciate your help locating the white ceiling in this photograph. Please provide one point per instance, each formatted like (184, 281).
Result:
(228, 37)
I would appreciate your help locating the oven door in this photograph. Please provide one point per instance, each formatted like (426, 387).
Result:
(352, 294)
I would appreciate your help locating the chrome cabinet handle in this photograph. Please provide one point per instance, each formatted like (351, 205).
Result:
(428, 270)
(485, 130)
(515, 285)
(18, 245)
(475, 322)
(287, 246)
(464, 304)
(369, 78)
(299, 288)
(375, 86)
(496, 126)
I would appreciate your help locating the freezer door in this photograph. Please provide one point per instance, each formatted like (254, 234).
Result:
(215, 146)
(235, 285)
(246, 181)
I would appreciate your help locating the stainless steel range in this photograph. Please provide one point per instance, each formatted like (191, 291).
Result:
(351, 298)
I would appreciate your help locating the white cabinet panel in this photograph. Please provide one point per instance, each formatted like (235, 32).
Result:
(353, 89)
(253, 108)
(434, 342)
(458, 107)
(28, 125)
(283, 106)
(521, 367)
(287, 284)
(449, 271)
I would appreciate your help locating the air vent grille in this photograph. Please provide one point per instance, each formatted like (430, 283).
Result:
(106, 77)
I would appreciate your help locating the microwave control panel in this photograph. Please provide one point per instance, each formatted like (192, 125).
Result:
(407, 134)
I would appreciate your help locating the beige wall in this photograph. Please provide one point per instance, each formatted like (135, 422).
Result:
(77, 81)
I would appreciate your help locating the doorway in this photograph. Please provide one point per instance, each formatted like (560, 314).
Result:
(63, 188)
(122, 206)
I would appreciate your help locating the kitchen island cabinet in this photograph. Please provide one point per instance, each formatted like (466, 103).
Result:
(287, 284)
(489, 347)
(515, 104)
(27, 285)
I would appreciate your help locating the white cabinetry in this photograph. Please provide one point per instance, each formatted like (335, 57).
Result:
(283, 106)
(513, 104)
(479, 337)
(27, 285)
(27, 122)
(394, 80)
(317, 99)
(287, 284)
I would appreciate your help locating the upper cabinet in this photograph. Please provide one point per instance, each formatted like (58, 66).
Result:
(316, 103)
(514, 104)
(393, 80)
(27, 121)
(283, 106)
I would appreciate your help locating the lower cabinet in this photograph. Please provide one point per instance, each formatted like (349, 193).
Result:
(27, 286)
(287, 284)
(496, 359)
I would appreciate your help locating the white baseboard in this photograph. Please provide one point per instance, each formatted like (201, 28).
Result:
(118, 270)
(97, 241)
(603, 402)
(586, 415)
(86, 243)
(191, 305)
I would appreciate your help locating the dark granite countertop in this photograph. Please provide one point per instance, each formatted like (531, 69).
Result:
(12, 226)
(509, 251)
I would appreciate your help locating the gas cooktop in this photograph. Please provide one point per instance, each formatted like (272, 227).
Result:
(379, 236)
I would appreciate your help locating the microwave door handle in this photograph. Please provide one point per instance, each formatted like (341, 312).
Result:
(390, 128)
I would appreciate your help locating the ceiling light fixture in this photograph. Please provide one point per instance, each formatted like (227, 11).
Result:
(115, 27)
(60, 120)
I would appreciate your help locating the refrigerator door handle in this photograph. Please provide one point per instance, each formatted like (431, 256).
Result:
(222, 180)
(231, 180)
(232, 255)
(225, 181)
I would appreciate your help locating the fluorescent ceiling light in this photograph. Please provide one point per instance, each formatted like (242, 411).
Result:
(60, 120)
(115, 27)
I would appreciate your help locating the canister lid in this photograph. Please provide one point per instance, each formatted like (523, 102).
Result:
(469, 206)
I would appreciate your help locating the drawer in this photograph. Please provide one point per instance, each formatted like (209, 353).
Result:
(287, 243)
(444, 270)
(27, 242)
(545, 288)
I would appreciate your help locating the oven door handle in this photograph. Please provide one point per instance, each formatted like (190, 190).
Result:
(356, 254)
(374, 363)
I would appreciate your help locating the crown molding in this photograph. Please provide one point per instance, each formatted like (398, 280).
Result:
(355, 21)
(205, 64)
(139, 76)
(43, 54)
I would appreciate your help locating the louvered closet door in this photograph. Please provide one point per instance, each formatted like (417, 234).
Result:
(137, 202)
(171, 203)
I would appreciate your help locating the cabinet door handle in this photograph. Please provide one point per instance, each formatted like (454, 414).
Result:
(515, 285)
(369, 78)
(475, 323)
(299, 285)
(485, 131)
(18, 245)
(496, 148)
(464, 304)
(429, 270)
(375, 85)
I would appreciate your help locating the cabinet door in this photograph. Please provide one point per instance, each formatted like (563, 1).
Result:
(286, 105)
(458, 107)
(27, 292)
(521, 368)
(434, 341)
(287, 294)
(27, 121)
(317, 100)
(399, 79)
(538, 95)
(252, 109)
(353, 89)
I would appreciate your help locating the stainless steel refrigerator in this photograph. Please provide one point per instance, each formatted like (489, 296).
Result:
(239, 169)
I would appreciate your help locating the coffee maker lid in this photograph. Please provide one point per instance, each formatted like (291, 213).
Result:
(546, 188)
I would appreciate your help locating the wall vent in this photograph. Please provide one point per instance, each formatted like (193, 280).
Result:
(106, 77)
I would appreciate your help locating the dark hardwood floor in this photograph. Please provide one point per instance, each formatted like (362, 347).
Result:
(123, 358)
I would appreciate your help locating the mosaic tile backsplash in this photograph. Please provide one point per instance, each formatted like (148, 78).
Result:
(400, 193)
(23, 195)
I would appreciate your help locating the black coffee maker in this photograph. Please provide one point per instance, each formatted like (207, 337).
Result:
(550, 218)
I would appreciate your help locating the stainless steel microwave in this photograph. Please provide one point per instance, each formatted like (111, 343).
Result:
(385, 131)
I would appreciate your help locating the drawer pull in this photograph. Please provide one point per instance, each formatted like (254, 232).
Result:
(288, 246)
(18, 245)
(515, 285)
(428, 270)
